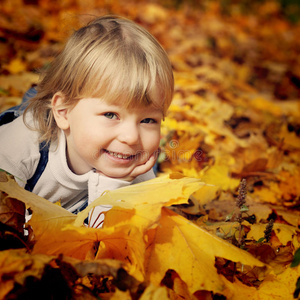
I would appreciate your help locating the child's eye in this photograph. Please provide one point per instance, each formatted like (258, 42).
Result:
(149, 121)
(110, 115)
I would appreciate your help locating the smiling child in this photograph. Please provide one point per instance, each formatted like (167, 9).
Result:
(94, 122)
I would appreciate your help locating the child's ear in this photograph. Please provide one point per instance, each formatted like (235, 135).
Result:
(60, 114)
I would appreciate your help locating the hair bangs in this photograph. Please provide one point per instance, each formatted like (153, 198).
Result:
(111, 58)
(124, 76)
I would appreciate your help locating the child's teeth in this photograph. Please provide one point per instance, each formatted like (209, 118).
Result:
(118, 155)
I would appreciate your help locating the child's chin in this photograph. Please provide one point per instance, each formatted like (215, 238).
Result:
(116, 174)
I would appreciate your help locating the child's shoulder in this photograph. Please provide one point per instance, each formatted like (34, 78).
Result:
(19, 149)
(16, 134)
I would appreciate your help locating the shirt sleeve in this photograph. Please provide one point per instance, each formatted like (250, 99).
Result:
(19, 150)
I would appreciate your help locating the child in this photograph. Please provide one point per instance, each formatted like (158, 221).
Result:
(94, 123)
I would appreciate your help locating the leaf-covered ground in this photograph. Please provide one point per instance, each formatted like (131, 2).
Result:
(225, 223)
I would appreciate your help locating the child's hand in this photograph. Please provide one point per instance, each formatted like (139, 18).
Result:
(142, 169)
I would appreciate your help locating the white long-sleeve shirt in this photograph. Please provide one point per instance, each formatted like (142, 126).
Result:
(19, 155)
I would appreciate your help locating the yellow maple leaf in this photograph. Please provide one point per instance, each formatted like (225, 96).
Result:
(124, 243)
(269, 194)
(284, 232)
(219, 176)
(135, 209)
(180, 245)
(237, 290)
(147, 198)
(206, 194)
(153, 292)
(46, 215)
(280, 286)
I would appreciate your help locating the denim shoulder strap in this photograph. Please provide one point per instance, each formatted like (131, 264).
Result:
(10, 114)
(44, 155)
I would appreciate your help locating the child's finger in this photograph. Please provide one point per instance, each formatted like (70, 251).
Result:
(141, 169)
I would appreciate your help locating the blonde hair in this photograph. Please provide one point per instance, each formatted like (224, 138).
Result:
(111, 58)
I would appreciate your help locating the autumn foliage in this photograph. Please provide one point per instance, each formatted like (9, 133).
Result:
(221, 221)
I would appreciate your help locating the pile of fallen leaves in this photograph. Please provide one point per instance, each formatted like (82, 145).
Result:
(225, 223)
(145, 249)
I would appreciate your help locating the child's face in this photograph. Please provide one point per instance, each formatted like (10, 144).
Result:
(110, 138)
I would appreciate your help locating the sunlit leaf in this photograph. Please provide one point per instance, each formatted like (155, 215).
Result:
(46, 215)
(179, 245)
(235, 114)
(147, 198)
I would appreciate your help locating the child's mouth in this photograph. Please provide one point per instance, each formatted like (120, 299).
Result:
(119, 155)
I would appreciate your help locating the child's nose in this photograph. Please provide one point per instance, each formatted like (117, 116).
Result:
(129, 134)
